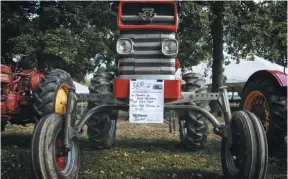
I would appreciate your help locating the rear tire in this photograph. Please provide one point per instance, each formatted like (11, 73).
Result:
(52, 161)
(275, 96)
(193, 126)
(247, 157)
(48, 88)
(102, 126)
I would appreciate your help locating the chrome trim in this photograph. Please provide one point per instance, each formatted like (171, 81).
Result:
(148, 36)
(139, 60)
(170, 55)
(167, 69)
(127, 68)
(147, 52)
(156, 18)
(147, 69)
(127, 39)
(147, 44)
(151, 77)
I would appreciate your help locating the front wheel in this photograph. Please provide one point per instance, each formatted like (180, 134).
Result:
(53, 161)
(247, 156)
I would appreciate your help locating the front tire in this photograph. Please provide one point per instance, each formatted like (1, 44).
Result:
(102, 127)
(193, 126)
(247, 157)
(52, 161)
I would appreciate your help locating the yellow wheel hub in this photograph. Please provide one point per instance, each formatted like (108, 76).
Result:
(256, 98)
(61, 99)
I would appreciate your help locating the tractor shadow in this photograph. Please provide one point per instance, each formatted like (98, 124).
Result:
(153, 145)
(16, 140)
(15, 156)
(172, 173)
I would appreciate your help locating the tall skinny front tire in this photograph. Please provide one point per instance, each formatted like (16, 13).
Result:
(53, 161)
(247, 157)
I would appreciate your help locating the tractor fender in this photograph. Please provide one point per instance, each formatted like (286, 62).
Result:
(276, 77)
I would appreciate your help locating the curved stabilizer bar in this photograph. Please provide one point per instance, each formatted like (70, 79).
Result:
(104, 107)
(98, 109)
(204, 112)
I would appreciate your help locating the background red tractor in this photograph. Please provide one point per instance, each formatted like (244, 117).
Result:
(20, 91)
(265, 94)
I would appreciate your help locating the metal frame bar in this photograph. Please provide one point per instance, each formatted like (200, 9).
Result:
(108, 102)
(170, 120)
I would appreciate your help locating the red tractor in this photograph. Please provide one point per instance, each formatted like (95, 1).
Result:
(21, 90)
(265, 94)
(147, 58)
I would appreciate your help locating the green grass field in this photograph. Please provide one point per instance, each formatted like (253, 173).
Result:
(141, 151)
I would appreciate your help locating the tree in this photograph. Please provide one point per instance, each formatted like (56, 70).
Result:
(257, 28)
(193, 34)
(217, 14)
(78, 36)
(245, 27)
(14, 16)
(274, 42)
(66, 35)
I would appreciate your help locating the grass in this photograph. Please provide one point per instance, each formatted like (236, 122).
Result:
(141, 151)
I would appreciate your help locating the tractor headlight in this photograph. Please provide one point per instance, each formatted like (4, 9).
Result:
(124, 46)
(170, 47)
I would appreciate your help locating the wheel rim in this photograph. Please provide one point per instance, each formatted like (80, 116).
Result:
(183, 127)
(64, 159)
(111, 126)
(257, 103)
(61, 99)
(234, 154)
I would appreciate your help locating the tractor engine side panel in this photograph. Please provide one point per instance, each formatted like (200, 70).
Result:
(6, 74)
(12, 103)
(4, 109)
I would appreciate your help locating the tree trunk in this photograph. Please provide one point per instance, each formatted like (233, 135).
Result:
(217, 9)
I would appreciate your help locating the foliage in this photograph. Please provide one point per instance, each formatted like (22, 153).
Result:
(66, 35)
(249, 28)
(79, 36)
(259, 29)
(193, 35)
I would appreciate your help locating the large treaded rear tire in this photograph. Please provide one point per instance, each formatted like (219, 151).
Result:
(45, 94)
(193, 127)
(102, 127)
(276, 97)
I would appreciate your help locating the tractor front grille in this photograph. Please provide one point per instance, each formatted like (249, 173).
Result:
(147, 58)
(164, 14)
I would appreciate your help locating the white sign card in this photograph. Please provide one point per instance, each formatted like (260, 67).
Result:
(146, 103)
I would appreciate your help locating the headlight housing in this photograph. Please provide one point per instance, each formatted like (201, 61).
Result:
(170, 47)
(124, 46)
